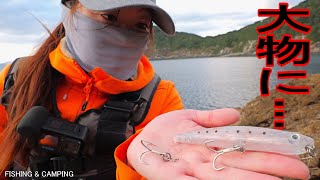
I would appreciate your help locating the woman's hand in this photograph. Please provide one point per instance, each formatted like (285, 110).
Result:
(195, 161)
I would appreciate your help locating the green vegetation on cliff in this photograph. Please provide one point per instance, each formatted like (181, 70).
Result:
(240, 42)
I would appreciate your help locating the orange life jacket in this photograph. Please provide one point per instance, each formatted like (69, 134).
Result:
(94, 87)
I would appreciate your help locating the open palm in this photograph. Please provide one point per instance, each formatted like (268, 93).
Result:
(195, 161)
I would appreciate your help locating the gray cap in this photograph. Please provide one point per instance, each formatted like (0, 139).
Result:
(160, 17)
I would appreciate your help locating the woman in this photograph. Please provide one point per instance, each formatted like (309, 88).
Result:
(95, 54)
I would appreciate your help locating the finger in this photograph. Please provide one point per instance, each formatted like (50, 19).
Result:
(158, 168)
(217, 117)
(196, 155)
(294, 156)
(268, 163)
(185, 177)
(206, 171)
(170, 170)
(150, 164)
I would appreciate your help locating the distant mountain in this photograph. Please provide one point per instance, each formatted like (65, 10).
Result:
(236, 43)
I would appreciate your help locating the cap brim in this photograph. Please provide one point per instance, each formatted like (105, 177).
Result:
(160, 17)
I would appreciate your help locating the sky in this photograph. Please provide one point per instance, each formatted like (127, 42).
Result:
(20, 32)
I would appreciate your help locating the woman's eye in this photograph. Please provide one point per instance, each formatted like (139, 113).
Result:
(109, 17)
(142, 27)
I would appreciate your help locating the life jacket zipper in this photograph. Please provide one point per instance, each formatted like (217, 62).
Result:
(87, 90)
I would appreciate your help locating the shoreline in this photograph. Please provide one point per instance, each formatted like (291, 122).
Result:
(196, 57)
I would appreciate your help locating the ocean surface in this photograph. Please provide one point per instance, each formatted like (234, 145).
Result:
(210, 83)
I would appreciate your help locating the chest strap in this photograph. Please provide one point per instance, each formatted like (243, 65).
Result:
(132, 105)
(116, 120)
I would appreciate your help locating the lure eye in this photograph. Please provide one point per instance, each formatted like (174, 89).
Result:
(295, 136)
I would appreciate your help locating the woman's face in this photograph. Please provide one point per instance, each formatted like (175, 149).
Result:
(134, 18)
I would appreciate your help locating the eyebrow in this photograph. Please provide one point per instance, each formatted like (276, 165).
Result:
(147, 9)
(148, 13)
(109, 11)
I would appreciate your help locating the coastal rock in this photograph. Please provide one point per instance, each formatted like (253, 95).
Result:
(302, 114)
(315, 48)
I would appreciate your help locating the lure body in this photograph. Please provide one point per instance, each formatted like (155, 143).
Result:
(249, 138)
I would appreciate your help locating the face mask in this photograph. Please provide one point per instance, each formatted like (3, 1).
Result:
(93, 44)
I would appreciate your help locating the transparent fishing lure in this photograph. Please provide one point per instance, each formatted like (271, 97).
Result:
(250, 138)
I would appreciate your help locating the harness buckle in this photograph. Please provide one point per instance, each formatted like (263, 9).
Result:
(137, 104)
(58, 163)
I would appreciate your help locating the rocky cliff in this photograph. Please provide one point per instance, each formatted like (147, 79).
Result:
(236, 43)
(302, 114)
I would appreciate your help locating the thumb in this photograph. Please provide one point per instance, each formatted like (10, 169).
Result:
(217, 117)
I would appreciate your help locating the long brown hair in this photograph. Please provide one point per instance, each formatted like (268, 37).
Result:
(33, 86)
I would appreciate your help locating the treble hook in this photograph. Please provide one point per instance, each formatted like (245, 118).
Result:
(311, 152)
(165, 155)
(220, 152)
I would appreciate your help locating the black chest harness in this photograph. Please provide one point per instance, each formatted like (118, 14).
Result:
(108, 127)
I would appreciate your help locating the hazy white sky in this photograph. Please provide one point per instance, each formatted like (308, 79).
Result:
(20, 32)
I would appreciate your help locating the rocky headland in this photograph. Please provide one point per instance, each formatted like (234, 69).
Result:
(302, 114)
(240, 42)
